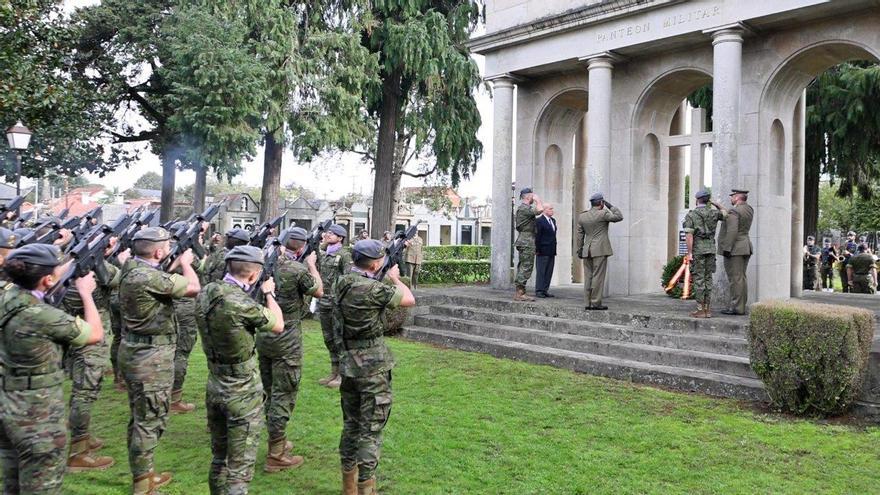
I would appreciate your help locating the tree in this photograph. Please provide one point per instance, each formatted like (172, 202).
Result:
(150, 180)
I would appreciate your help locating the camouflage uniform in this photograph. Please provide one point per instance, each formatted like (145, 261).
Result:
(365, 364)
(215, 266)
(87, 363)
(702, 222)
(281, 354)
(187, 333)
(811, 268)
(525, 243)
(331, 266)
(146, 355)
(863, 281)
(228, 319)
(33, 420)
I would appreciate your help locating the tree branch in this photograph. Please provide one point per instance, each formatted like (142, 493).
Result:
(144, 136)
(421, 175)
(146, 105)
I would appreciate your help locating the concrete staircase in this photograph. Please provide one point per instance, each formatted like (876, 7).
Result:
(640, 341)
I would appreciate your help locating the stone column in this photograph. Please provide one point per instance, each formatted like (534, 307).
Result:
(798, 169)
(726, 87)
(599, 125)
(581, 195)
(502, 178)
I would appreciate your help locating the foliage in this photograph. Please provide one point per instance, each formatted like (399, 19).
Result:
(669, 271)
(452, 271)
(150, 180)
(456, 252)
(842, 214)
(217, 187)
(811, 357)
(702, 98)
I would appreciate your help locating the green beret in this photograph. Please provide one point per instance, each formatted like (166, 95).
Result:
(250, 254)
(37, 254)
(8, 239)
(297, 234)
(240, 234)
(154, 234)
(338, 230)
(370, 248)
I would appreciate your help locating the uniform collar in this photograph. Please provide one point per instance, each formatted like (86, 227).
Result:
(146, 262)
(362, 273)
(229, 279)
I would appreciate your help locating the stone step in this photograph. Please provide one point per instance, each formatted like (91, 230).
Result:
(668, 320)
(690, 380)
(665, 356)
(705, 342)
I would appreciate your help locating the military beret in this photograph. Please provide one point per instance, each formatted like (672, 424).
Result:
(702, 193)
(8, 238)
(37, 254)
(297, 234)
(811, 238)
(250, 254)
(21, 232)
(738, 191)
(597, 197)
(525, 190)
(338, 230)
(240, 234)
(154, 234)
(370, 248)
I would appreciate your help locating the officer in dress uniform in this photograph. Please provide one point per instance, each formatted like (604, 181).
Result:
(736, 247)
(594, 247)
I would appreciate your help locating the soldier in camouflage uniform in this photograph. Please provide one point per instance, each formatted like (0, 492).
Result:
(228, 320)
(812, 256)
(699, 226)
(215, 264)
(146, 354)
(862, 272)
(334, 261)
(8, 240)
(33, 420)
(365, 362)
(529, 208)
(281, 355)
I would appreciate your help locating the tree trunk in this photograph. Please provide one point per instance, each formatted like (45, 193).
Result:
(811, 201)
(399, 166)
(200, 188)
(389, 114)
(271, 192)
(169, 170)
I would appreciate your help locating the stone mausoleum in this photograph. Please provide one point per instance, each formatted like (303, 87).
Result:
(588, 96)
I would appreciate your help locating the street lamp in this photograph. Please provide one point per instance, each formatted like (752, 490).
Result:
(19, 137)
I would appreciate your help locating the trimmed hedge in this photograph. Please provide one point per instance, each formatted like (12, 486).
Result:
(457, 252)
(454, 271)
(811, 357)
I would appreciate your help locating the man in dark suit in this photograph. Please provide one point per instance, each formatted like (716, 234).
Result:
(545, 250)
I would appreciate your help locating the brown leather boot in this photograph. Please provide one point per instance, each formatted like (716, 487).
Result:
(95, 443)
(80, 459)
(143, 485)
(279, 458)
(707, 311)
(177, 404)
(698, 313)
(520, 295)
(334, 372)
(161, 479)
(349, 481)
(367, 487)
(336, 382)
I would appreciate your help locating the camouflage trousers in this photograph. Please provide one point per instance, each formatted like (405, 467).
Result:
(327, 329)
(366, 406)
(187, 333)
(33, 440)
(149, 372)
(280, 377)
(811, 276)
(235, 418)
(116, 330)
(524, 266)
(702, 271)
(87, 365)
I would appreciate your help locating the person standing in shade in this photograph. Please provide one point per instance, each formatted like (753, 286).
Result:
(545, 251)
(529, 208)
(413, 260)
(735, 246)
(365, 362)
(699, 226)
(594, 247)
(229, 320)
(826, 270)
(862, 273)
(812, 256)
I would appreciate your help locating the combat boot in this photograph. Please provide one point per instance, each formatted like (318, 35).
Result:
(336, 382)
(367, 487)
(80, 459)
(177, 404)
(95, 443)
(334, 372)
(149, 483)
(279, 459)
(520, 295)
(707, 309)
(350, 481)
(698, 313)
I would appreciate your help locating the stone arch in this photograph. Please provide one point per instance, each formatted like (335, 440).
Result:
(652, 164)
(777, 158)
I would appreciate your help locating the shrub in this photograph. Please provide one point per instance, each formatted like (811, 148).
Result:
(669, 270)
(454, 271)
(459, 252)
(811, 357)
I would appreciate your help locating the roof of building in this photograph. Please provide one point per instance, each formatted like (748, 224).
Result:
(148, 193)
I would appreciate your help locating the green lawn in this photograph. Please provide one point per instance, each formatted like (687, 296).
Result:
(466, 423)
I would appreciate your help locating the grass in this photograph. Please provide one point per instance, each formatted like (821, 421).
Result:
(466, 423)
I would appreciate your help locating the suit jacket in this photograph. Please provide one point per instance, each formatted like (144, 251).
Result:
(734, 235)
(592, 235)
(545, 239)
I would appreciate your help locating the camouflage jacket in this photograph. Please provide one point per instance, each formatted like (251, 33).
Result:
(814, 250)
(32, 337)
(702, 222)
(215, 266)
(72, 302)
(360, 324)
(526, 216)
(292, 284)
(331, 267)
(228, 319)
(862, 264)
(146, 297)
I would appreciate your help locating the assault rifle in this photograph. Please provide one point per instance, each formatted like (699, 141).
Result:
(187, 237)
(53, 235)
(270, 262)
(259, 237)
(88, 256)
(12, 205)
(138, 219)
(314, 243)
(64, 213)
(24, 218)
(395, 249)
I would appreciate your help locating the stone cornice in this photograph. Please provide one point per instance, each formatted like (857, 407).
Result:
(561, 23)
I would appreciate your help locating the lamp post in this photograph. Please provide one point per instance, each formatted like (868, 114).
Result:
(18, 137)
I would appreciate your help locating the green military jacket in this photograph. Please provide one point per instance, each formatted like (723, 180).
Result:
(72, 301)
(146, 296)
(526, 216)
(734, 234)
(228, 319)
(293, 282)
(702, 222)
(862, 264)
(331, 267)
(360, 316)
(32, 337)
(215, 266)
